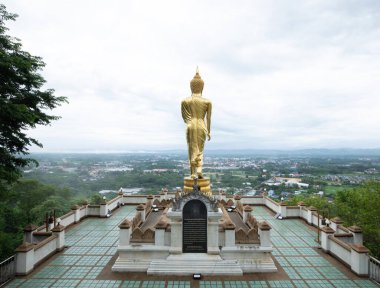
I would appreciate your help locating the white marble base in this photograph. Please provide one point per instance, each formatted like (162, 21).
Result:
(251, 258)
(137, 257)
(191, 263)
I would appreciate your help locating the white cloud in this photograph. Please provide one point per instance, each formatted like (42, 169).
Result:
(284, 74)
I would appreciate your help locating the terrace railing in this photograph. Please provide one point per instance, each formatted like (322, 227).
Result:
(7, 270)
(374, 269)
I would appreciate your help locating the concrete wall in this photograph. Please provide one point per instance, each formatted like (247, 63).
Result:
(93, 210)
(134, 199)
(252, 200)
(45, 248)
(315, 219)
(293, 211)
(83, 212)
(303, 213)
(272, 205)
(68, 219)
(340, 251)
(112, 204)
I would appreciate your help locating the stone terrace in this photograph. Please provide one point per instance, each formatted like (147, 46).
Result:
(92, 247)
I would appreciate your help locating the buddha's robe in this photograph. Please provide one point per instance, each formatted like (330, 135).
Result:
(194, 110)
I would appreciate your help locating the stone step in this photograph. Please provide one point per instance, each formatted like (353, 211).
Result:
(192, 266)
(124, 265)
(250, 266)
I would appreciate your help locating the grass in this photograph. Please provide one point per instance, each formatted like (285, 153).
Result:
(332, 189)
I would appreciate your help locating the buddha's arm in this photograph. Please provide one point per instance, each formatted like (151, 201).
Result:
(185, 112)
(209, 109)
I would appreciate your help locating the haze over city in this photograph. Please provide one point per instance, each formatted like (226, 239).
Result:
(281, 74)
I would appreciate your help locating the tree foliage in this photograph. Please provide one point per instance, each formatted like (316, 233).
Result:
(23, 102)
(27, 202)
(321, 203)
(360, 206)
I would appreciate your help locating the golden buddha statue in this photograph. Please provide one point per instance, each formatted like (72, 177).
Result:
(194, 111)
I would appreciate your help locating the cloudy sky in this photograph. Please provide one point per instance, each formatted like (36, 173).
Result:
(281, 74)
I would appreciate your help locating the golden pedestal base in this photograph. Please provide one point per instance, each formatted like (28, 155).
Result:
(204, 183)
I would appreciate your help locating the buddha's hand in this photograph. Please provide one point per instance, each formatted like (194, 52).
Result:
(209, 136)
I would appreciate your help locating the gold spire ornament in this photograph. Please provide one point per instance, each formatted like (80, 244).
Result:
(196, 113)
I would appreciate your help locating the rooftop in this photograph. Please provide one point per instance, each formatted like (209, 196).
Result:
(92, 246)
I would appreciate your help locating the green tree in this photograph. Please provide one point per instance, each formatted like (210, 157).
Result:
(27, 202)
(96, 199)
(360, 206)
(54, 202)
(23, 102)
(321, 203)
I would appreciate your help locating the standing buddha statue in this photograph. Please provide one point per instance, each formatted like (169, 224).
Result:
(196, 112)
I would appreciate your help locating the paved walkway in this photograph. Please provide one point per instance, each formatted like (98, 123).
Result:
(92, 246)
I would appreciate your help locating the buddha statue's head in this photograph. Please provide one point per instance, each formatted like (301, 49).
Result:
(197, 84)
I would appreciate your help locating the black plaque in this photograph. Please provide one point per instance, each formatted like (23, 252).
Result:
(194, 227)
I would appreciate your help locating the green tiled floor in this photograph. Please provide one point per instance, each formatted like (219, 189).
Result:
(37, 283)
(235, 284)
(99, 283)
(153, 284)
(297, 261)
(76, 272)
(130, 284)
(94, 241)
(292, 273)
(308, 273)
(66, 283)
(178, 284)
(280, 283)
(365, 283)
(211, 284)
(51, 272)
(258, 284)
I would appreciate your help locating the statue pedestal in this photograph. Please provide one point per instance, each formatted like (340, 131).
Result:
(203, 183)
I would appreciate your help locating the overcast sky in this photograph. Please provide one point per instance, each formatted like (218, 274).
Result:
(281, 74)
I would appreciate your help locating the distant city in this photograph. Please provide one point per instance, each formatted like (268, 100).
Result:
(279, 174)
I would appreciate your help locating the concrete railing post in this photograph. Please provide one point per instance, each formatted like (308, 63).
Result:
(176, 237)
(159, 236)
(310, 211)
(28, 233)
(149, 200)
(162, 195)
(335, 223)
(359, 259)
(76, 210)
(301, 205)
(24, 258)
(175, 219)
(264, 232)
(325, 241)
(125, 232)
(358, 234)
(246, 211)
(282, 208)
(213, 232)
(103, 209)
(141, 209)
(229, 233)
(59, 231)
